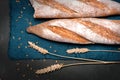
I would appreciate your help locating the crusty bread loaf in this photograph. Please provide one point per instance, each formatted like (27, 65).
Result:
(74, 8)
(79, 31)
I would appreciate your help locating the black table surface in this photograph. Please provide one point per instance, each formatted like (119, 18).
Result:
(25, 69)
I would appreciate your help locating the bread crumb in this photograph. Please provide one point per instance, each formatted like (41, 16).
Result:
(30, 23)
(31, 68)
(25, 46)
(17, 0)
(56, 61)
(24, 8)
(29, 4)
(19, 38)
(36, 76)
(21, 12)
(50, 46)
(27, 55)
(16, 20)
(28, 65)
(36, 42)
(18, 46)
(23, 75)
(17, 63)
(32, 60)
(19, 16)
(44, 60)
(55, 51)
(18, 69)
(22, 31)
(13, 37)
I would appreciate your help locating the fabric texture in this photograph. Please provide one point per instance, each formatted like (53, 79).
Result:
(21, 17)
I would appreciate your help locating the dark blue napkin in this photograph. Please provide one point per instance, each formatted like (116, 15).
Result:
(21, 17)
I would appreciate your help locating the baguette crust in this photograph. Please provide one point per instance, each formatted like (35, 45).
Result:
(74, 8)
(79, 31)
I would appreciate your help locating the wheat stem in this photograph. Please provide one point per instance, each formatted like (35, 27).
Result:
(90, 63)
(75, 58)
(105, 50)
(59, 66)
(44, 51)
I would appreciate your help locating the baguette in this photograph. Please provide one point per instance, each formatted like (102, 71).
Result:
(79, 30)
(74, 8)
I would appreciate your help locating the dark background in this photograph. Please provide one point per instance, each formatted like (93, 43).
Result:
(25, 69)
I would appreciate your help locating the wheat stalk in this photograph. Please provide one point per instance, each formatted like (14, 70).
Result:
(84, 50)
(44, 51)
(59, 66)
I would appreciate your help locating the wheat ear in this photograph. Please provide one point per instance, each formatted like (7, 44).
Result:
(77, 50)
(39, 49)
(84, 50)
(44, 51)
(59, 66)
(49, 69)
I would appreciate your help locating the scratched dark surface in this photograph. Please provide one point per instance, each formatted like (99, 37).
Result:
(25, 69)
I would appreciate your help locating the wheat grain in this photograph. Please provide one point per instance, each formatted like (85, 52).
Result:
(44, 51)
(49, 69)
(13, 37)
(19, 38)
(23, 75)
(24, 8)
(19, 46)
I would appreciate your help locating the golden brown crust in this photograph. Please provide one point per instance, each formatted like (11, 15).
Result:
(105, 32)
(68, 34)
(57, 5)
(116, 21)
(84, 8)
(94, 3)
